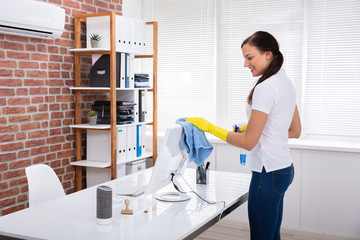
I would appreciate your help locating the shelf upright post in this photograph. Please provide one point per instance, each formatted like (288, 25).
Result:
(78, 146)
(155, 57)
(113, 92)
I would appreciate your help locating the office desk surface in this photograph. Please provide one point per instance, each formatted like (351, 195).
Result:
(74, 216)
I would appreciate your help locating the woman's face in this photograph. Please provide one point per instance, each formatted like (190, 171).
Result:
(255, 60)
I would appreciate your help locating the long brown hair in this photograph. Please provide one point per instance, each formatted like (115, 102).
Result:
(265, 42)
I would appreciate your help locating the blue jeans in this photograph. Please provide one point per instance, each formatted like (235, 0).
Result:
(265, 203)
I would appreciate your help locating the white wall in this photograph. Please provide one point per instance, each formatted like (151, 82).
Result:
(325, 193)
(132, 8)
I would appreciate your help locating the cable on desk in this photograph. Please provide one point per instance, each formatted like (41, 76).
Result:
(192, 191)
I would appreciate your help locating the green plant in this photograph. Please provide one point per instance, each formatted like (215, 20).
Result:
(92, 113)
(95, 36)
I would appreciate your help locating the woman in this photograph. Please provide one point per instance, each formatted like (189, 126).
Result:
(273, 118)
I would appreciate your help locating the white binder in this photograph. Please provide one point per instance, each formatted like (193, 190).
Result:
(131, 70)
(142, 30)
(134, 142)
(122, 70)
(143, 141)
(130, 144)
(120, 35)
(139, 36)
(123, 37)
(121, 139)
(135, 36)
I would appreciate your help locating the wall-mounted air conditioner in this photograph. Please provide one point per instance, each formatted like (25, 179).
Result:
(31, 19)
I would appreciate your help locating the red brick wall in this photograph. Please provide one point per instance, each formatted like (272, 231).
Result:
(36, 105)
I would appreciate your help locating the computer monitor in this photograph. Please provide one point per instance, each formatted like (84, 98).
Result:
(172, 158)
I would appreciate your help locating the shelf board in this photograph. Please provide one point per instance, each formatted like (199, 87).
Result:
(88, 51)
(105, 126)
(99, 164)
(146, 155)
(90, 89)
(127, 89)
(144, 56)
(104, 89)
(88, 126)
(132, 124)
(102, 51)
(91, 163)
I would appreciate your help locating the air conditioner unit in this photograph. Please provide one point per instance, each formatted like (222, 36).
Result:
(31, 18)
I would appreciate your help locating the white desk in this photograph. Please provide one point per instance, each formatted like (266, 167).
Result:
(74, 216)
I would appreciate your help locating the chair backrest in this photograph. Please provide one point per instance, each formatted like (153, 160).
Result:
(43, 184)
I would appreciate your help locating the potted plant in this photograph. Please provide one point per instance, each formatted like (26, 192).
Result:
(92, 117)
(95, 40)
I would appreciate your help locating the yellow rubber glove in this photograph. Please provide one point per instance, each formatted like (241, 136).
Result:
(243, 128)
(206, 126)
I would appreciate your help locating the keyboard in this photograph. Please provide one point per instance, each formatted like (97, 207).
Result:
(132, 191)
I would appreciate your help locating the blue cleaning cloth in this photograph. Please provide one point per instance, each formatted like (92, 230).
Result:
(195, 142)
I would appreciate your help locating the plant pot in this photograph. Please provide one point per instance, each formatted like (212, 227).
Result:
(92, 120)
(95, 43)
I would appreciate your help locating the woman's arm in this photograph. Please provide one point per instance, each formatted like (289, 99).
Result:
(295, 126)
(253, 131)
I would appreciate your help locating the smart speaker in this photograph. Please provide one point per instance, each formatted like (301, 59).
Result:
(103, 205)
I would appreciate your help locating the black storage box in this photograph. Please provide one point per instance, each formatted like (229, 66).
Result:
(100, 71)
(124, 112)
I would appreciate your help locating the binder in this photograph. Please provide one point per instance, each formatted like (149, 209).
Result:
(131, 70)
(129, 35)
(142, 106)
(143, 140)
(134, 142)
(123, 37)
(121, 144)
(139, 140)
(139, 36)
(142, 30)
(127, 70)
(136, 107)
(122, 70)
(120, 35)
(129, 143)
(136, 37)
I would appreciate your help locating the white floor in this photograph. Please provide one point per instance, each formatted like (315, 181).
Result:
(235, 230)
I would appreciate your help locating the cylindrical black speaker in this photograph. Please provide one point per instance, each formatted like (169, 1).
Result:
(103, 205)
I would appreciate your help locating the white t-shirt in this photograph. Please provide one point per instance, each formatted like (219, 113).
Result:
(276, 97)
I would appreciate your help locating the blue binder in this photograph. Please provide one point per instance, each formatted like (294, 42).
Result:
(127, 74)
(138, 140)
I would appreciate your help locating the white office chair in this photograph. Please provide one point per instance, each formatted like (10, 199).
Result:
(43, 184)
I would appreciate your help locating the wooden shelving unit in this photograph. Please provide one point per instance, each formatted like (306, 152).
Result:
(112, 90)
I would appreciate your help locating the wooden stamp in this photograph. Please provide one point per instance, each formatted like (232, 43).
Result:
(127, 210)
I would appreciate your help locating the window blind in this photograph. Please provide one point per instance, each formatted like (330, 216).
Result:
(186, 58)
(201, 72)
(332, 96)
(236, 20)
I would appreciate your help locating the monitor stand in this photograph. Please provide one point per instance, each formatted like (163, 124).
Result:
(172, 197)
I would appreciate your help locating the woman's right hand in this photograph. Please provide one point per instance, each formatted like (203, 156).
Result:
(201, 124)
(206, 126)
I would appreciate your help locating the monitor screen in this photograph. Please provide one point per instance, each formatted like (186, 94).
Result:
(172, 158)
